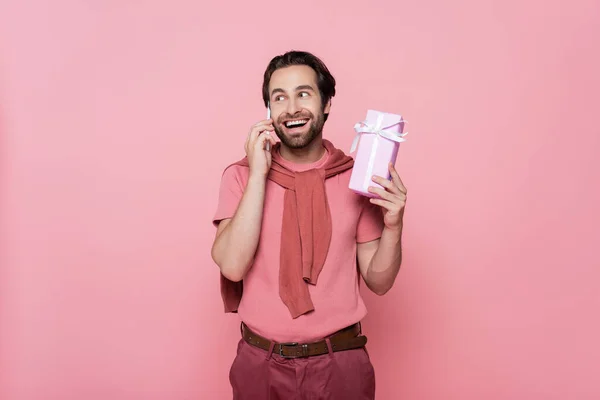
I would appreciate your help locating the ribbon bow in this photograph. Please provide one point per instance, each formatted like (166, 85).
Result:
(379, 129)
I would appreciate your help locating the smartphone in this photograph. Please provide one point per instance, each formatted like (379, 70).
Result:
(268, 145)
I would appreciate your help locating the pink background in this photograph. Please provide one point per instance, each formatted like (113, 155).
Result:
(118, 117)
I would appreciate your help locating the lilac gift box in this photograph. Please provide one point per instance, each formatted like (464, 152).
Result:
(377, 141)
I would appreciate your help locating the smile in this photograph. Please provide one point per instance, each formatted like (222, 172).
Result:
(296, 123)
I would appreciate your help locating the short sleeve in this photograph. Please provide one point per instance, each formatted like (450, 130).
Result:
(370, 223)
(230, 194)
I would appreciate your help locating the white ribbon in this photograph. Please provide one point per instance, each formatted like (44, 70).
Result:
(379, 129)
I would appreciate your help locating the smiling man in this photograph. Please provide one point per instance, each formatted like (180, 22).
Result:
(293, 242)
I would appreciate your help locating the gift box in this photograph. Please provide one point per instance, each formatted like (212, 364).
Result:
(377, 140)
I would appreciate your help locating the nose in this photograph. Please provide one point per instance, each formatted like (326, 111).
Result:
(292, 106)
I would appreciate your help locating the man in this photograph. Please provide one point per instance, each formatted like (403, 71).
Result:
(291, 242)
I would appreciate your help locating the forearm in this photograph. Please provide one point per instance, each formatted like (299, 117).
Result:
(235, 247)
(386, 261)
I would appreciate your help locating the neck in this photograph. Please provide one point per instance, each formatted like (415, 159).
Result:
(306, 155)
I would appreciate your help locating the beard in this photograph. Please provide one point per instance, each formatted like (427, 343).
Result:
(298, 142)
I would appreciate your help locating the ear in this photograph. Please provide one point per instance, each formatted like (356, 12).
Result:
(327, 107)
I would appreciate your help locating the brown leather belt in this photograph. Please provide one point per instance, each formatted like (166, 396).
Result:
(345, 339)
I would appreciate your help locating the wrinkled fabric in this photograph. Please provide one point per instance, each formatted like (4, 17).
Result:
(347, 375)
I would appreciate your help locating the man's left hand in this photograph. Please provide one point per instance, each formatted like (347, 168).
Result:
(392, 198)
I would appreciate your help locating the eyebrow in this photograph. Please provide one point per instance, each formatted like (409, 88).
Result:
(301, 87)
(305, 87)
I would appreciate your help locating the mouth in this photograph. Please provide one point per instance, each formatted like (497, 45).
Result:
(294, 124)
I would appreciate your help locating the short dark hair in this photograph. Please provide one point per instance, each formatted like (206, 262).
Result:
(325, 81)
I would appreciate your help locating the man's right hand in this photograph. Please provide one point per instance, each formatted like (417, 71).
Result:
(259, 158)
(242, 232)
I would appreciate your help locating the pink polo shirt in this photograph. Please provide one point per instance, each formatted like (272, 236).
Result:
(336, 296)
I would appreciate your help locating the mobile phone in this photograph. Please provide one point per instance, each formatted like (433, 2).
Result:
(268, 143)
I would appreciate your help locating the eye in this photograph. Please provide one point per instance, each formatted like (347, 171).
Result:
(304, 94)
(278, 98)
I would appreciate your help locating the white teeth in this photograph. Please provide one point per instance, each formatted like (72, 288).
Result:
(296, 122)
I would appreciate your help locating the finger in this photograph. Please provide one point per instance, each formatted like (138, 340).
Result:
(396, 179)
(257, 129)
(269, 142)
(255, 135)
(262, 140)
(262, 125)
(386, 183)
(384, 204)
(384, 194)
(264, 121)
(270, 136)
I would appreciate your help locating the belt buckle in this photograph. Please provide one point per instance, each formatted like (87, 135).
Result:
(292, 344)
(287, 344)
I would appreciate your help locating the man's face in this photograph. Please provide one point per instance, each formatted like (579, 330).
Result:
(296, 107)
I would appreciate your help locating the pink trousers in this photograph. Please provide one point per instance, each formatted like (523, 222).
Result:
(343, 375)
